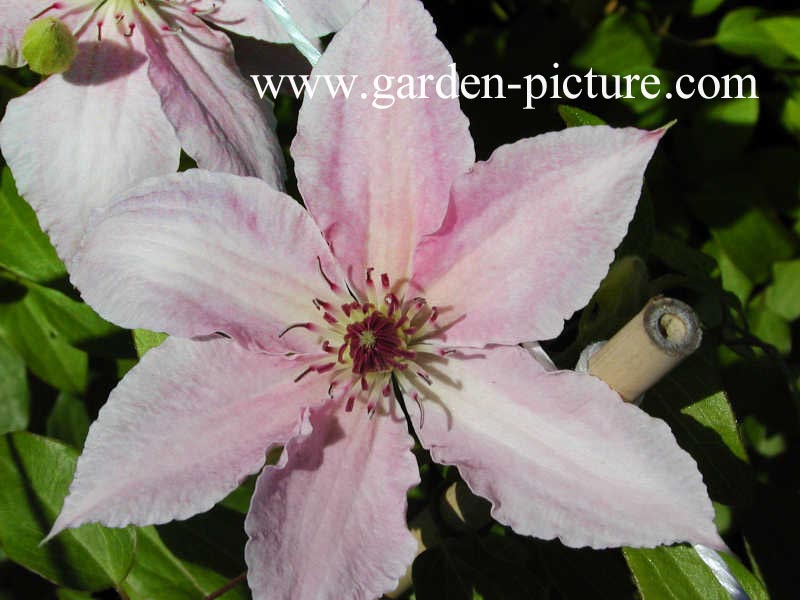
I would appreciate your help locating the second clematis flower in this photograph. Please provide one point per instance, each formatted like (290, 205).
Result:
(411, 276)
(150, 77)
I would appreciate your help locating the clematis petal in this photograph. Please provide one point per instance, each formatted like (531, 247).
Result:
(79, 138)
(195, 253)
(216, 113)
(182, 430)
(530, 233)
(376, 180)
(331, 523)
(252, 17)
(16, 18)
(560, 455)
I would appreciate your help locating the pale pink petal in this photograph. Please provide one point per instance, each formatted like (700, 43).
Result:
(530, 233)
(79, 138)
(198, 252)
(182, 430)
(16, 16)
(331, 523)
(376, 180)
(252, 17)
(559, 454)
(218, 117)
(318, 18)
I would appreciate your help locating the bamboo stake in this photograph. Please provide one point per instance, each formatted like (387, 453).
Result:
(648, 347)
(653, 343)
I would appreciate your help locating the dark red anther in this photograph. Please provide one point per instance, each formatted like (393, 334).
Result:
(131, 27)
(385, 281)
(425, 377)
(369, 277)
(330, 318)
(349, 406)
(325, 368)
(342, 349)
(99, 31)
(364, 385)
(347, 309)
(386, 391)
(322, 304)
(326, 347)
(434, 314)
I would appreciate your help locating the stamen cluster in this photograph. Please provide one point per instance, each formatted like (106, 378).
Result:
(366, 342)
(124, 14)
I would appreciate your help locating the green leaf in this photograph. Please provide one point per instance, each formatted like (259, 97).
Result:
(144, 340)
(68, 421)
(692, 401)
(36, 473)
(700, 8)
(467, 567)
(785, 31)
(25, 325)
(722, 129)
(783, 296)
(14, 395)
(67, 594)
(622, 42)
(790, 113)
(753, 241)
(740, 32)
(53, 332)
(733, 280)
(678, 573)
(158, 574)
(575, 117)
(769, 326)
(24, 248)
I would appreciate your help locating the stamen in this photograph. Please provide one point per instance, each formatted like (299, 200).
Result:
(349, 406)
(416, 398)
(333, 286)
(321, 304)
(99, 31)
(309, 326)
(425, 377)
(131, 27)
(303, 374)
(330, 318)
(385, 281)
(369, 277)
(53, 6)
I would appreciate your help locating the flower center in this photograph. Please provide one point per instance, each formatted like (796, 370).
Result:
(375, 344)
(365, 342)
(104, 17)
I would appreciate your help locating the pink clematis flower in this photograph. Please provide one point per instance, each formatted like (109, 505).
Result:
(150, 77)
(412, 270)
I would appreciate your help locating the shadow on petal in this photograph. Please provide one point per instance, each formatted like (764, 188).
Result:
(100, 62)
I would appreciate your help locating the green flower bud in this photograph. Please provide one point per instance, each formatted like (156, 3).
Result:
(49, 46)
